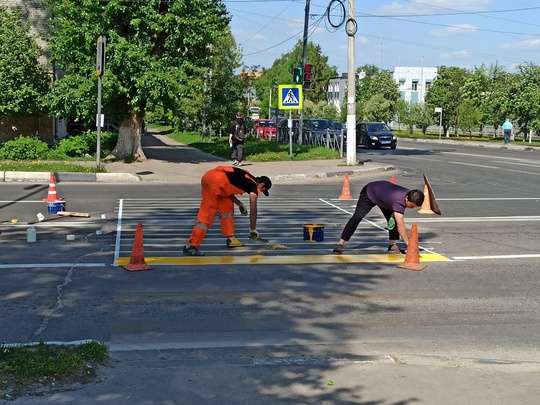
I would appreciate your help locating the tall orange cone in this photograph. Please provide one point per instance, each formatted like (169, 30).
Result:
(412, 257)
(137, 262)
(346, 191)
(393, 180)
(426, 205)
(52, 196)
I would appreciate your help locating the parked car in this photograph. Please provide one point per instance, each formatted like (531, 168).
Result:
(266, 129)
(375, 135)
(283, 130)
(318, 128)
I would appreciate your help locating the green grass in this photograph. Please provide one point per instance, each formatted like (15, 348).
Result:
(83, 166)
(255, 149)
(27, 368)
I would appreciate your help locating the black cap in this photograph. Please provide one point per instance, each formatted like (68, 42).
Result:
(267, 184)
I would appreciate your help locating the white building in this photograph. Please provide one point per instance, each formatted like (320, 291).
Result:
(414, 81)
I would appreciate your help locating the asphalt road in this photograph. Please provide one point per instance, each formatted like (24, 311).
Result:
(467, 328)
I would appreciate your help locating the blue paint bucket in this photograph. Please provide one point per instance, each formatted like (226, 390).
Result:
(313, 232)
(54, 207)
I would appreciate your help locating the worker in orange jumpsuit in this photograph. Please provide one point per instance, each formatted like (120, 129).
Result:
(219, 189)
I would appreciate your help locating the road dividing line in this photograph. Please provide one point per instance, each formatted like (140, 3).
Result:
(285, 259)
(529, 256)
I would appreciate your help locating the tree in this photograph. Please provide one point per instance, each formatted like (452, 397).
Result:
(422, 116)
(25, 82)
(377, 108)
(380, 84)
(445, 92)
(470, 116)
(154, 49)
(526, 100)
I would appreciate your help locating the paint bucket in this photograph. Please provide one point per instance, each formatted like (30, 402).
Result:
(54, 207)
(313, 232)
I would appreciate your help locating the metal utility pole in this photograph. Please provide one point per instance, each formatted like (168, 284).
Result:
(351, 88)
(304, 61)
(100, 69)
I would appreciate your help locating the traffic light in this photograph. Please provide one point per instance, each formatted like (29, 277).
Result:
(307, 76)
(297, 75)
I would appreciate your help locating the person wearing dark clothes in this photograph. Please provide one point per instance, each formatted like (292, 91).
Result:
(392, 201)
(219, 189)
(237, 145)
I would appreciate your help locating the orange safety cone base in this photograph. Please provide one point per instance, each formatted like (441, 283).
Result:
(137, 267)
(412, 266)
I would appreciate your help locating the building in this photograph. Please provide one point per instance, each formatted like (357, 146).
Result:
(414, 81)
(413, 84)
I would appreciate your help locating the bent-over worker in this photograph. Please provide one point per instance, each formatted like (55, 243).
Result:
(392, 200)
(219, 189)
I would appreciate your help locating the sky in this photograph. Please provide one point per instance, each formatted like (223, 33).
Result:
(463, 33)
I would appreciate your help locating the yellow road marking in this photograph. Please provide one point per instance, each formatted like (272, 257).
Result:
(284, 259)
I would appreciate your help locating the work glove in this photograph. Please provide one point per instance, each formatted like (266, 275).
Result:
(243, 210)
(253, 234)
(391, 224)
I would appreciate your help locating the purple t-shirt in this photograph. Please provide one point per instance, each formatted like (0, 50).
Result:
(387, 195)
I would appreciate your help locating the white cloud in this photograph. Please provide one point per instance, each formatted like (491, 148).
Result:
(456, 54)
(531, 43)
(459, 29)
(433, 7)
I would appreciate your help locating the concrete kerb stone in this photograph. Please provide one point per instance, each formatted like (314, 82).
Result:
(37, 177)
(117, 178)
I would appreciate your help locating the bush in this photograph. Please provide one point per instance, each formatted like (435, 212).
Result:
(24, 148)
(86, 144)
(72, 146)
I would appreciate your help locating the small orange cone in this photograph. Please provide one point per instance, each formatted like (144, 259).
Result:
(346, 191)
(412, 257)
(426, 205)
(393, 180)
(52, 196)
(137, 262)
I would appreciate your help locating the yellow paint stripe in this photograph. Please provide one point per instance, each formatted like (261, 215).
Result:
(292, 259)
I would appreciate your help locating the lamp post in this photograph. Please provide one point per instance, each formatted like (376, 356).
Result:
(439, 110)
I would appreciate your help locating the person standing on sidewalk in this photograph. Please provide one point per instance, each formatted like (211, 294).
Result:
(392, 200)
(237, 133)
(507, 127)
(219, 189)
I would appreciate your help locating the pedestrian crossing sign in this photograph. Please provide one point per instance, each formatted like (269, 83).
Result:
(290, 96)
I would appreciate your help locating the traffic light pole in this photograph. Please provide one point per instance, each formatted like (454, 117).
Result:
(304, 60)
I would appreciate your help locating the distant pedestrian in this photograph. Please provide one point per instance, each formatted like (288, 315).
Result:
(392, 200)
(219, 189)
(237, 133)
(508, 129)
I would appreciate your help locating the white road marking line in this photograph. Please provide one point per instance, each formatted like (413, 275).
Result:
(528, 256)
(118, 231)
(49, 265)
(476, 165)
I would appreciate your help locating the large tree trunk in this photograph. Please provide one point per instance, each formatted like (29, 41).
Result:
(129, 140)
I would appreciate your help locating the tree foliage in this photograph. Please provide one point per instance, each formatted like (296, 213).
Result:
(25, 81)
(154, 50)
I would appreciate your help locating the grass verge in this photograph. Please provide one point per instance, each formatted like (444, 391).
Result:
(41, 368)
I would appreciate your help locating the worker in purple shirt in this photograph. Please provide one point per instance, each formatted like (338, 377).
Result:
(392, 200)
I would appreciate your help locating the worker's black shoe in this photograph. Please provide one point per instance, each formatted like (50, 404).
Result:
(396, 249)
(192, 251)
(338, 249)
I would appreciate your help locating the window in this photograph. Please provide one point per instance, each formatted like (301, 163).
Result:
(414, 86)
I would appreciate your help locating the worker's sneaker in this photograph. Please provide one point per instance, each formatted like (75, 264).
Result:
(395, 249)
(239, 164)
(235, 163)
(192, 251)
(338, 249)
(232, 242)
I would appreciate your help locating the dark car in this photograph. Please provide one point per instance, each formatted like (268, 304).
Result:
(375, 135)
(319, 128)
(283, 130)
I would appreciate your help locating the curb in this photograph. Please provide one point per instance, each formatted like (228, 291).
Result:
(44, 177)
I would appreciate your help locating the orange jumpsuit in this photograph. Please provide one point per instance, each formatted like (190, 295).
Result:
(217, 186)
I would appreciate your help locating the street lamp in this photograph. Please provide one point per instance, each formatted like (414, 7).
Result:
(439, 110)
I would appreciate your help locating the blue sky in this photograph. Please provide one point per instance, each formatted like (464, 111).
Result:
(464, 33)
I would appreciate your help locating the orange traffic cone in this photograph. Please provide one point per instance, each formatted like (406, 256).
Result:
(426, 205)
(346, 191)
(393, 180)
(412, 257)
(52, 196)
(137, 262)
